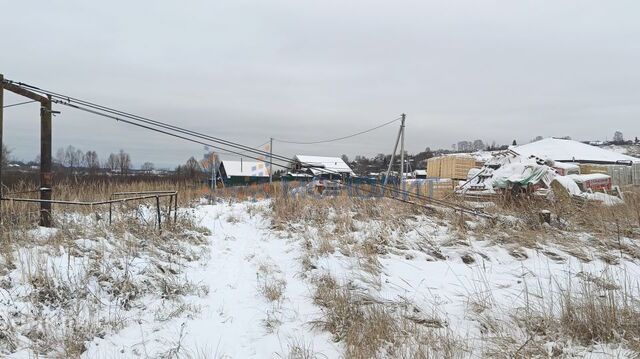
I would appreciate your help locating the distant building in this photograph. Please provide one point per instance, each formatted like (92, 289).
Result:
(243, 172)
(322, 167)
(420, 174)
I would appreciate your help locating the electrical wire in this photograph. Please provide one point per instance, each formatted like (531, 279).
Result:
(339, 138)
(19, 103)
(167, 128)
(256, 147)
(68, 99)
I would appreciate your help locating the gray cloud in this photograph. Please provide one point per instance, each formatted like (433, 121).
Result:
(246, 71)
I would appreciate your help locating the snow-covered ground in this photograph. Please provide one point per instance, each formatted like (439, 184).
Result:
(235, 320)
(249, 287)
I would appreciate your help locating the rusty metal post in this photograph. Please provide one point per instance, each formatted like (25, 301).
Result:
(46, 177)
(169, 208)
(159, 216)
(175, 211)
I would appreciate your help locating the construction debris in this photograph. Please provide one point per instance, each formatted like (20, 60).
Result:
(512, 174)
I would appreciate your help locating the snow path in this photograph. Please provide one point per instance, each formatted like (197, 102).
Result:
(234, 314)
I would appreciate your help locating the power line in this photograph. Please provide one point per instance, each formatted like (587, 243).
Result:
(64, 99)
(339, 138)
(169, 130)
(19, 103)
(256, 147)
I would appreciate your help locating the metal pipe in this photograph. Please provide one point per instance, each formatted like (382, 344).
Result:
(142, 192)
(78, 203)
(159, 216)
(175, 212)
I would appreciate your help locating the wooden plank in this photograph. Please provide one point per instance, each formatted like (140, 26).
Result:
(24, 92)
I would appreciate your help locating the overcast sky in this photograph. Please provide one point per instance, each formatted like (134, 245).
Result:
(311, 70)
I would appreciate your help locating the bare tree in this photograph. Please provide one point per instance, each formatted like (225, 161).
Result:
(147, 167)
(91, 161)
(113, 162)
(4, 156)
(618, 137)
(60, 156)
(125, 162)
(191, 169)
(72, 157)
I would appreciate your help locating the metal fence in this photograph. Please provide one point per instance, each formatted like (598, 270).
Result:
(115, 198)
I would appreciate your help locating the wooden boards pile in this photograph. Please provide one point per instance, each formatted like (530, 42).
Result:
(586, 169)
(621, 175)
(454, 167)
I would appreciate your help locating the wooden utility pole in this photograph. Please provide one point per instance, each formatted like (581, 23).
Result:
(46, 177)
(393, 154)
(402, 155)
(270, 161)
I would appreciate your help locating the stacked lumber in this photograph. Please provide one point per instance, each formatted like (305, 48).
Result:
(586, 169)
(621, 175)
(433, 167)
(453, 167)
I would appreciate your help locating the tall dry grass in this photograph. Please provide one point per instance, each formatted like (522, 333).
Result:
(58, 308)
(372, 329)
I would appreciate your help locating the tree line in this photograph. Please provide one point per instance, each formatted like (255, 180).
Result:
(72, 159)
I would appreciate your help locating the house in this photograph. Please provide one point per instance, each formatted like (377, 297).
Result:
(419, 174)
(243, 172)
(322, 167)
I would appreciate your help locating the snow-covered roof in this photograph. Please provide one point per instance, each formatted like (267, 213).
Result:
(565, 165)
(245, 169)
(569, 150)
(324, 165)
(420, 172)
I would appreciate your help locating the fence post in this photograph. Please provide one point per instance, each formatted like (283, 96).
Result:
(110, 210)
(175, 211)
(158, 209)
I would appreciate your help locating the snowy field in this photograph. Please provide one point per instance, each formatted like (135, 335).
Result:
(324, 278)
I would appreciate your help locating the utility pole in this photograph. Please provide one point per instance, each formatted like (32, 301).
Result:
(402, 156)
(270, 162)
(46, 177)
(212, 160)
(393, 156)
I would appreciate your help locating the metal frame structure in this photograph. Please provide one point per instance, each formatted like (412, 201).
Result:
(173, 199)
(46, 176)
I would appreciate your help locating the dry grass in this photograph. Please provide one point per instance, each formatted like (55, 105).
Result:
(587, 312)
(270, 283)
(299, 349)
(84, 279)
(371, 329)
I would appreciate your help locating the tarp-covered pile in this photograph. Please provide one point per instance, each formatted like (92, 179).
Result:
(514, 173)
